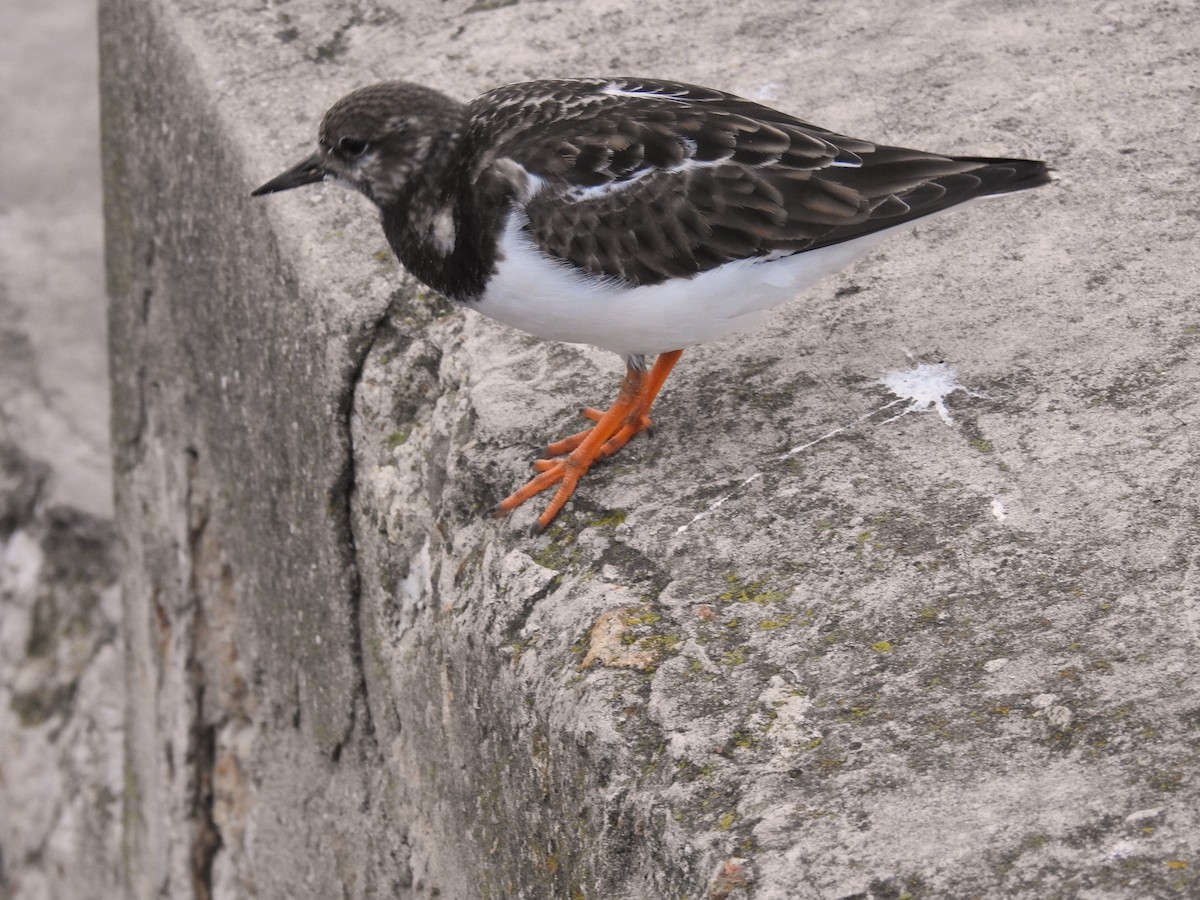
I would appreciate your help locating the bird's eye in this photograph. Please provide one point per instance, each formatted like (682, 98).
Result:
(352, 146)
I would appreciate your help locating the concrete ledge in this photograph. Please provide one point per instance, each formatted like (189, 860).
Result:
(915, 657)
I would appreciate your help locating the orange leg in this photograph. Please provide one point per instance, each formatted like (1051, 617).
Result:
(629, 414)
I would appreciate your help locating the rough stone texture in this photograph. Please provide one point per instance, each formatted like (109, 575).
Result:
(909, 659)
(61, 672)
(52, 357)
(61, 710)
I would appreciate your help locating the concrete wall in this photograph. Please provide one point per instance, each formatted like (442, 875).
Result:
(920, 656)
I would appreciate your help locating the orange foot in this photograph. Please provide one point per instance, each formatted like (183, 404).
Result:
(568, 459)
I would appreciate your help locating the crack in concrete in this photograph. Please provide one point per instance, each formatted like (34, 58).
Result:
(343, 494)
(202, 749)
(206, 841)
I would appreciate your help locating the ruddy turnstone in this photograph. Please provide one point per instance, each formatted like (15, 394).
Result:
(636, 215)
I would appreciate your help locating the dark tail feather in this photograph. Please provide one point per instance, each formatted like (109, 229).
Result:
(903, 191)
(1003, 176)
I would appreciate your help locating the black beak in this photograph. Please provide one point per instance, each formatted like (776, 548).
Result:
(308, 172)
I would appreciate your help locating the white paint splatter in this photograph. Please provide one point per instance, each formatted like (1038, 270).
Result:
(802, 447)
(926, 387)
(1144, 815)
(1121, 850)
(998, 509)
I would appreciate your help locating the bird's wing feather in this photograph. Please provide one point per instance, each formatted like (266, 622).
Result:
(645, 180)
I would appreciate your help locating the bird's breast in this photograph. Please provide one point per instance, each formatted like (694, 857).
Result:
(553, 299)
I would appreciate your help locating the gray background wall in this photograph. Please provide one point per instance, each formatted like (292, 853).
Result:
(62, 701)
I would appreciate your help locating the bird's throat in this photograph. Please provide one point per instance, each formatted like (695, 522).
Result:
(444, 233)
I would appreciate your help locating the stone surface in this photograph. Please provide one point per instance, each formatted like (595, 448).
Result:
(52, 356)
(61, 669)
(61, 704)
(836, 646)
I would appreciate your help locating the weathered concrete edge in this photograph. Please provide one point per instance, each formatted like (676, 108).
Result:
(240, 586)
(519, 772)
(226, 587)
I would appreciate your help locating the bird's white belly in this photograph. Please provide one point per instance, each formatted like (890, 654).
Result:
(547, 298)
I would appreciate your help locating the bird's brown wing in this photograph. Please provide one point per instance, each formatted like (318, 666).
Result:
(645, 180)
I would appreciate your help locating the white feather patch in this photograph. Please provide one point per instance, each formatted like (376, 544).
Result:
(552, 299)
(616, 90)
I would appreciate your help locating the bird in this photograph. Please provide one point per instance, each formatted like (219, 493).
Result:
(638, 215)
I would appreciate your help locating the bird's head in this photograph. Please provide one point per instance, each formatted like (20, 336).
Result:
(375, 139)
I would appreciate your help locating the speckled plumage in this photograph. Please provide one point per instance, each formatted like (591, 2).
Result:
(637, 180)
(638, 215)
(648, 180)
